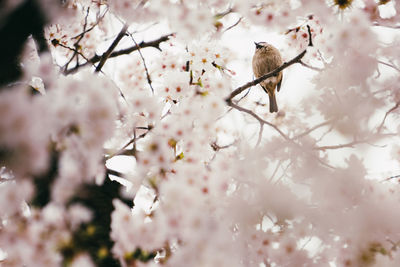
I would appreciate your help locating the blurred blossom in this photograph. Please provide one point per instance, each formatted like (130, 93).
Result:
(83, 120)
(224, 186)
(82, 260)
(13, 195)
(24, 134)
(78, 214)
(130, 231)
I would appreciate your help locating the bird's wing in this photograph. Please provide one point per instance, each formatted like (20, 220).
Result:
(278, 86)
(264, 88)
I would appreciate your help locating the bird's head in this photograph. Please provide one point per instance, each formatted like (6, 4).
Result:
(261, 45)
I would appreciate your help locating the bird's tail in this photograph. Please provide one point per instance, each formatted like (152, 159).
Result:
(273, 106)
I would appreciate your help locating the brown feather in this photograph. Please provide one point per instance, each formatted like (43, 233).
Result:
(266, 59)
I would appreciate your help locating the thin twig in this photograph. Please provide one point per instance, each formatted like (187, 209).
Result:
(276, 170)
(313, 129)
(386, 26)
(144, 63)
(309, 66)
(283, 173)
(224, 13)
(353, 143)
(107, 54)
(387, 113)
(74, 50)
(217, 147)
(325, 133)
(347, 145)
(260, 133)
(123, 150)
(309, 36)
(389, 65)
(234, 25)
(92, 27)
(260, 120)
(115, 173)
(76, 44)
(391, 178)
(323, 60)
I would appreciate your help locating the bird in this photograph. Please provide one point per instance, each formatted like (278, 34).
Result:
(267, 58)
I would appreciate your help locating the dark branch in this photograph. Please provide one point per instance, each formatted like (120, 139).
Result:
(234, 25)
(115, 173)
(76, 44)
(391, 177)
(126, 51)
(386, 114)
(389, 65)
(309, 36)
(107, 54)
(217, 147)
(223, 14)
(76, 52)
(266, 76)
(154, 43)
(82, 34)
(130, 152)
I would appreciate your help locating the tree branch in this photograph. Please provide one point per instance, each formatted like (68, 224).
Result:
(309, 66)
(348, 145)
(144, 64)
(234, 25)
(355, 142)
(115, 173)
(107, 54)
(312, 129)
(130, 152)
(79, 38)
(387, 113)
(389, 65)
(126, 51)
(260, 120)
(309, 36)
(387, 26)
(76, 44)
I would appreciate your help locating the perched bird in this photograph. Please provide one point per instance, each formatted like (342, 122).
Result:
(266, 59)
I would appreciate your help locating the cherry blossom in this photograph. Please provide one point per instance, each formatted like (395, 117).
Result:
(132, 133)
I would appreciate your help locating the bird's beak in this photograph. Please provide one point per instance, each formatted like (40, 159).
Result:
(257, 45)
